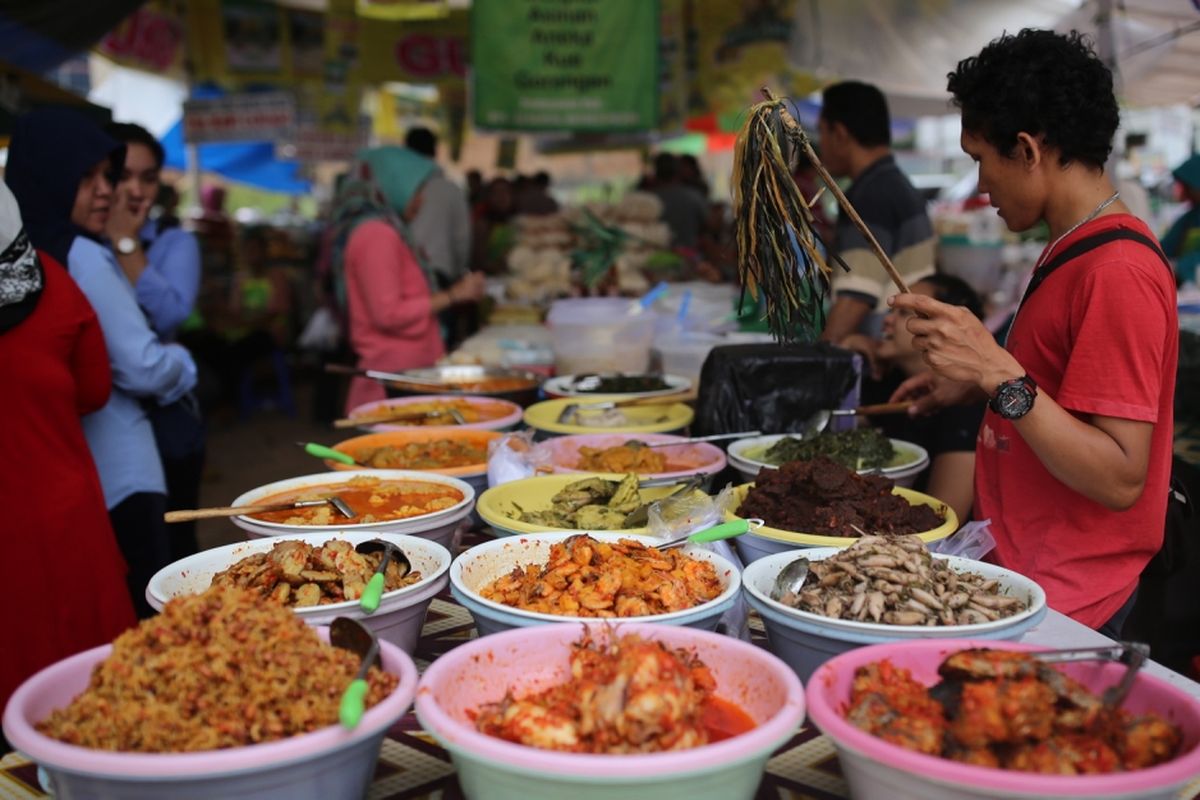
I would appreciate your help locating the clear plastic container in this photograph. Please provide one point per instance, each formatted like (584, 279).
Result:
(598, 334)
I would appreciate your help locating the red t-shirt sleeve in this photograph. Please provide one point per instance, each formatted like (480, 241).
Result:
(1119, 301)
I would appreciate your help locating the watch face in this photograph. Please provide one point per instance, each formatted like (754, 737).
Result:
(1013, 402)
(126, 245)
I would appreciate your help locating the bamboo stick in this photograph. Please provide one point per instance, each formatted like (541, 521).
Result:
(800, 136)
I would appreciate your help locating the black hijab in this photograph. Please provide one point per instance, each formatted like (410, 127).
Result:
(52, 149)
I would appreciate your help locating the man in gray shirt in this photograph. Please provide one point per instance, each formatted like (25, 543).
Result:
(684, 208)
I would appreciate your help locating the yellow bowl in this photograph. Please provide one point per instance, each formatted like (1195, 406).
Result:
(814, 540)
(666, 418)
(496, 505)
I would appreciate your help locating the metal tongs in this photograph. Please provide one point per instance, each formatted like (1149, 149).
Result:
(641, 515)
(1132, 654)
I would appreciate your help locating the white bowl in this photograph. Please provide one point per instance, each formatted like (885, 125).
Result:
(438, 526)
(401, 612)
(903, 475)
(806, 640)
(560, 386)
(483, 563)
(331, 762)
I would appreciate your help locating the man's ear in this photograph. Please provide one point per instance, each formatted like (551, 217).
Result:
(1029, 151)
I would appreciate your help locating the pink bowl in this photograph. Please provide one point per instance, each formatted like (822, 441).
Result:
(331, 759)
(699, 457)
(530, 659)
(875, 768)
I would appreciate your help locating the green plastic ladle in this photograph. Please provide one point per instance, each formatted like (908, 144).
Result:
(321, 451)
(352, 635)
(726, 530)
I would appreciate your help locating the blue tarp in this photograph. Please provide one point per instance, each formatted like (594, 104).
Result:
(252, 163)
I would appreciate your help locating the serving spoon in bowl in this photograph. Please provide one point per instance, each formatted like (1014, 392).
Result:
(187, 515)
(350, 634)
(369, 601)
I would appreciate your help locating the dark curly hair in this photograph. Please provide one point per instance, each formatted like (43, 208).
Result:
(1042, 83)
(954, 291)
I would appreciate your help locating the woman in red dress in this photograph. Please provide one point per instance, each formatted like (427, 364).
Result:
(62, 575)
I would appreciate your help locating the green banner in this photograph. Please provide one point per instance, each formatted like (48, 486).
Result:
(565, 65)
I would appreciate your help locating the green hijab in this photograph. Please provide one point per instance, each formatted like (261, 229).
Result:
(380, 185)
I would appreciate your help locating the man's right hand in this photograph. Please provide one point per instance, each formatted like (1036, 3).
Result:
(928, 392)
(468, 289)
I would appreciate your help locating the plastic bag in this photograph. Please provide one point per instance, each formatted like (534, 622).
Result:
(676, 517)
(973, 540)
(322, 333)
(512, 457)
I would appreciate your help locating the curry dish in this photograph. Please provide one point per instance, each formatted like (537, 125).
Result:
(627, 696)
(633, 456)
(372, 499)
(432, 413)
(214, 670)
(1006, 709)
(297, 574)
(585, 577)
(432, 454)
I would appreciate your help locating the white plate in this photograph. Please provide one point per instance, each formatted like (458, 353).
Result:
(560, 386)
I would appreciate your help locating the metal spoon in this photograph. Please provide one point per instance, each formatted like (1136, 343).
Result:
(790, 580)
(369, 601)
(187, 515)
(352, 635)
(820, 420)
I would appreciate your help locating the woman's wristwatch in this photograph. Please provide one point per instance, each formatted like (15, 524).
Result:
(1014, 399)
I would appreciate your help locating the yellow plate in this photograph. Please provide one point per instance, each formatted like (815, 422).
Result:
(495, 506)
(813, 540)
(642, 419)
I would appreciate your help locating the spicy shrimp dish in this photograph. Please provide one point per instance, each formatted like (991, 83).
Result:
(1008, 710)
(585, 577)
(628, 695)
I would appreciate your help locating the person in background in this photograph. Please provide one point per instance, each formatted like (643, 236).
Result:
(947, 435)
(441, 230)
(685, 210)
(691, 175)
(474, 187)
(59, 168)
(493, 228)
(856, 143)
(162, 261)
(388, 293)
(62, 572)
(1182, 241)
(1073, 458)
(533, 197)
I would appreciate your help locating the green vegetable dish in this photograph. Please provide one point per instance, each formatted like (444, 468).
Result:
(857, 449)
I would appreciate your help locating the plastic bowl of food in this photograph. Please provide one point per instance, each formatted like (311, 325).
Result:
(480, 413)
(766, 541)
(422, 450)
(401, 612)
(329, 762)
(484, 670)
(501, 506)
(747, 457)
(805, 640)
(483, 563)
(682, 461)
(666, 418)
(876, 769)
(437, 525)
(514, 385)
(570, 385)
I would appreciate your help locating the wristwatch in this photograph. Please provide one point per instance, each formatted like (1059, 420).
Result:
(1013, 399)
(126, 245)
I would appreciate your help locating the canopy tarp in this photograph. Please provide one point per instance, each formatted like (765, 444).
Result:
(907, 48)
(38, 35)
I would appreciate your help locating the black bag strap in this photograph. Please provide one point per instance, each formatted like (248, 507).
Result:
(1086, 245)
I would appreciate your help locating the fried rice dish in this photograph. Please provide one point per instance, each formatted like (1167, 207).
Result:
(585, 577)
(214, 670)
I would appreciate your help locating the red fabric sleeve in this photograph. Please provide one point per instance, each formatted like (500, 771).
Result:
(1119, 301)
(393, 289)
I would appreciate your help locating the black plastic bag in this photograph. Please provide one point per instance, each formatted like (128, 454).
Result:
(773, 388)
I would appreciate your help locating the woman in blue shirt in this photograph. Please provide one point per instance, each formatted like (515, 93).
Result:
(60, 167)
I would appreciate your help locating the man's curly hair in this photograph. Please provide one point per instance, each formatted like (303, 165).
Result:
(1043, 83)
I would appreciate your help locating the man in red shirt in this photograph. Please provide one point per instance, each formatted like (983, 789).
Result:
(1073, 457)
